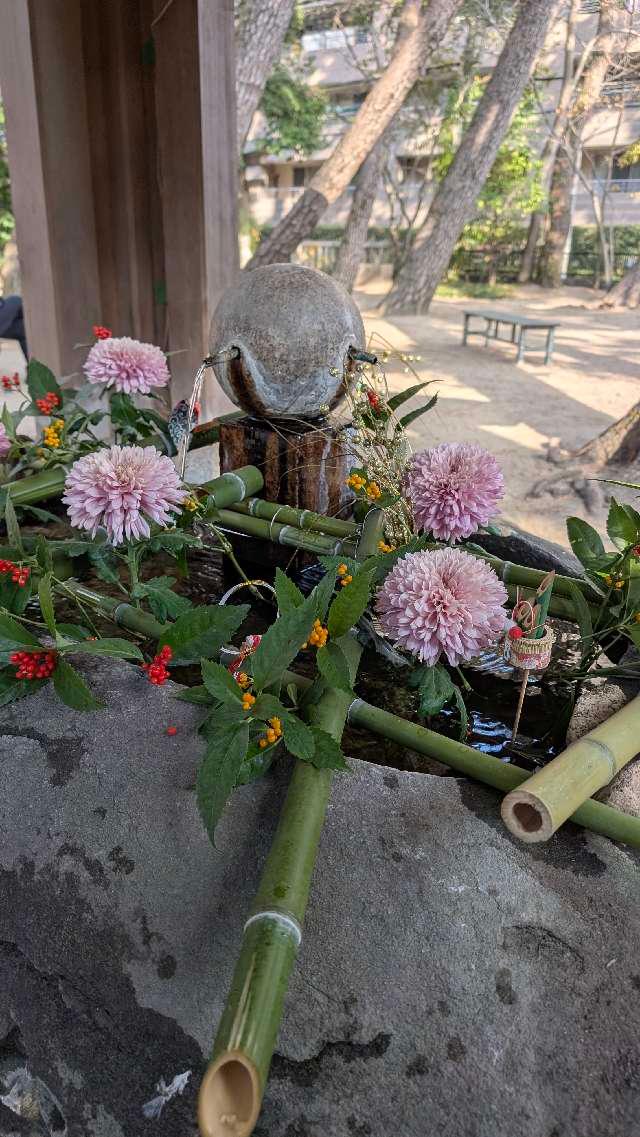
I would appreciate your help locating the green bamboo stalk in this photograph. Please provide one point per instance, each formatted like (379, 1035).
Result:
(50, 483)
(233, 1085)
(593, 815)
(285, 534)
(123, 614)
(554, 793)
(301, 518)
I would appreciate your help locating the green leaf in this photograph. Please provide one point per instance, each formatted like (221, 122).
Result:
(403, 396)
(103, 561)
(12, 688)
(72, 689)
(348, 606)
(14, 597)
(40, 381)
(583, 616)
(406, 420)
(281, 643)
(323, 591)
(74, 631)
(219, 771)
(298, 736)
(46, 602)
(327, 754)
(198, 695)
(333, 665)
(288, 594)
(221, 684)
(464, 717)
(115, 646)
(202, 631)
(11, 521)
(173, 542)
(7, 421)
(43, 555)
(435, 687)
(584, 540)
(256, 763)
(13, 635)
(622, 524)
(163, 601)
(43, 515)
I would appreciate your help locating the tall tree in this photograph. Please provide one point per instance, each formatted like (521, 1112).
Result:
(261, 26)
(550, 149)
(427, 30)
(354, 239)
(454, 202)
(568, 155)
(626, 293)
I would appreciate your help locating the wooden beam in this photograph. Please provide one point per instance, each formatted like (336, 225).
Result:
(41, 69)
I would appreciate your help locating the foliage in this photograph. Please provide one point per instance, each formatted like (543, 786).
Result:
(6, 215)
(294, 112)
(512, 189)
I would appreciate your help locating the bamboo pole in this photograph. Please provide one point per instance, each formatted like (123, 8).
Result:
(301, 518)
(285, 534)
(233, 1085)
(554, 793)
(50, 483)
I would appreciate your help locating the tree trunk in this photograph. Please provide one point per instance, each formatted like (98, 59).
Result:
(550, 149)
(619, 444)
(454, 202)
(260, 31)
(427, 30)
(351, 251)
(626, 293)
(587, 95)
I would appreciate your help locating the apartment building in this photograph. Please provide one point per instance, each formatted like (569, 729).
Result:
(337, 57)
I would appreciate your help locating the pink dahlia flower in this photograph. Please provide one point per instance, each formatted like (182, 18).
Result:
(119, 489)
(442, 601)
(5, 442)
(453, 489)
(127, 365)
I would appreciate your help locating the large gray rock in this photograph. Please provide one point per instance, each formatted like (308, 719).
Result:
(293, 326)
(450, 982)
(527, 549)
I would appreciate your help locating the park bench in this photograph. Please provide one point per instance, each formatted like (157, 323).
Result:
(519, 326)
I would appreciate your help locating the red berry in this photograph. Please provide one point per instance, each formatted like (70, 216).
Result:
(515, 633)
(172, 730)
(100, 332)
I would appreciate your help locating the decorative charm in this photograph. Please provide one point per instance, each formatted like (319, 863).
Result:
(528, 643)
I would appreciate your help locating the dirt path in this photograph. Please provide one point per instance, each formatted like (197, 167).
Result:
(516, 411)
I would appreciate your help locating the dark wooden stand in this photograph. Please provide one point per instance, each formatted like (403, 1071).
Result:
(303, 466)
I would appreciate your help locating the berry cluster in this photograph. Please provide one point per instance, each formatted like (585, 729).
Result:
(357, 483)
(242, 679)
(48, 403)
(191, 504)
(34, 664)
(247, 701)
(616, 581)
(52, 433)
(10, 381)
(318, 637)
(346, 576)
(274, 732)
(19, 575)
(101, 333)
(157, 670)
(384, 548)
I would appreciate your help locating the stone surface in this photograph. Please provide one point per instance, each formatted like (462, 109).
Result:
(450, 981)
(293, 326)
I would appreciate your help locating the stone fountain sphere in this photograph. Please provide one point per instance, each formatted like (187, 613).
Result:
(293, 326)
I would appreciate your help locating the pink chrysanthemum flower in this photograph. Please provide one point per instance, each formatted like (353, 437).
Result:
(453, 489)
(127, 365)
(442, 601)
(5, 442)
(120, 488)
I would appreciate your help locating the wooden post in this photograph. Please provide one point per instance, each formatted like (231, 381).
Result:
(41, 67)
(195, 107)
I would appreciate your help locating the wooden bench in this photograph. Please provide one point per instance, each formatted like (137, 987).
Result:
(519, 326)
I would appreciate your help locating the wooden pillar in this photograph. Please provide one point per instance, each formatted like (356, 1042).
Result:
(195, 108)
(41, 68)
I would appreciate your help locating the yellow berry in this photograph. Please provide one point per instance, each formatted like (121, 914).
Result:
(608, 579)
(191, 504)
(619, 584)
(342, 569)
(637, 617)
(271, 736)
(262, 742)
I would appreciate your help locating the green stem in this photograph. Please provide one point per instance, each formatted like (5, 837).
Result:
(133, 563)
(235, 1079)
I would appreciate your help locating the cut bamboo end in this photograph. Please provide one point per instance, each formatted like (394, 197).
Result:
(526, 817)
(230, 1097)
